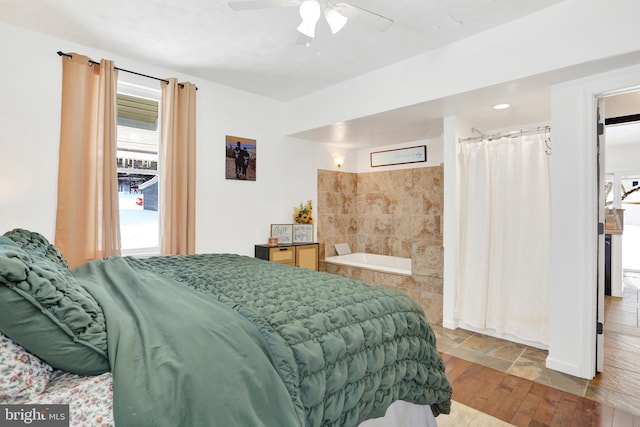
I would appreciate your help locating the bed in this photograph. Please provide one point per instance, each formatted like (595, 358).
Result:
(208, 339)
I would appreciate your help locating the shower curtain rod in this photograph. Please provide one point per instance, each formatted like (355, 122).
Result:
(68, 55)
(483, 137)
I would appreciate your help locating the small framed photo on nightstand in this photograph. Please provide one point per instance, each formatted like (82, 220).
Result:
(283, 232)
(302, 233)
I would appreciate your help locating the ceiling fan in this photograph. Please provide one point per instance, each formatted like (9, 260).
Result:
(335, 13)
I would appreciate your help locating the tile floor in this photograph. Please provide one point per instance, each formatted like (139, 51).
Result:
(618, 385)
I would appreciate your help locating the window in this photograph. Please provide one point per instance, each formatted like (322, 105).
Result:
(137, 157)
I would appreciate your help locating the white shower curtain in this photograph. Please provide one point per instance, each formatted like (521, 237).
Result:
(503, 282)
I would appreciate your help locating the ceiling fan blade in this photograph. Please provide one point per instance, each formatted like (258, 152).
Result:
(262, 4)
(364, 16)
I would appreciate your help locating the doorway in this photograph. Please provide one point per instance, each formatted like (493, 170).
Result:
(619, 374)
(622, 168)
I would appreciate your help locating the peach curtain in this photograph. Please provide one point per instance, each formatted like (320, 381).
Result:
(178, 168)
(87, 221)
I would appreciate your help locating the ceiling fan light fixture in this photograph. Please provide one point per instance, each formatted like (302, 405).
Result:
(310, 14)
(310, 10)
(335, 19)
(308, 28)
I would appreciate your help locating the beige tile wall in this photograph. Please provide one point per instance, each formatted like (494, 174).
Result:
(337, 218)
(396, 213)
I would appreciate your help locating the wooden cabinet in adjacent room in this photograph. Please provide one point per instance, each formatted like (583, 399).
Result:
(304, 255)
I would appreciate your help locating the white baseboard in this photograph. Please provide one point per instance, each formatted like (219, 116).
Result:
(567, 368)
(449, 324)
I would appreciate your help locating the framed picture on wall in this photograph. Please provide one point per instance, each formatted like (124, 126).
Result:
(240, 158)
(302, 233)
(399, 156)
(283, 232)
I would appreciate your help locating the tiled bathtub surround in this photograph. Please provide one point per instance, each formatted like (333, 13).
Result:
(396, 213)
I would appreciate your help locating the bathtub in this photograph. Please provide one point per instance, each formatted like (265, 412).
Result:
(376, 262)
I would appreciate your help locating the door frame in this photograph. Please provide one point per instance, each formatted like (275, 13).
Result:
(600, 135)
(574, 248)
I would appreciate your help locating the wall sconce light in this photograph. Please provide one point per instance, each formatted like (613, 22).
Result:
(339, 161)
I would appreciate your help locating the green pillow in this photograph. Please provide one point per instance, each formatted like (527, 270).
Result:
(44, 309)
(36, 244)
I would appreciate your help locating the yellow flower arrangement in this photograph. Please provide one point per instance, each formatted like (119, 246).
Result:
(303, 214)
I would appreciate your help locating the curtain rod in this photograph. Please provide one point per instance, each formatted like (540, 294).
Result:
(483, 137)
(68, 55)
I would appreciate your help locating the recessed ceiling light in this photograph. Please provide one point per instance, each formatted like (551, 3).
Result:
(501, 106)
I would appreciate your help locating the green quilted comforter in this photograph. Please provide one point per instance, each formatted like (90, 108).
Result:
(247, 342)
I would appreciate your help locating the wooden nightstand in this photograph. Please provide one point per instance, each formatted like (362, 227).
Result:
(304, 255)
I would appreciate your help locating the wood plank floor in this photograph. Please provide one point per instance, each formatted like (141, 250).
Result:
(523, 402)
(618, 386)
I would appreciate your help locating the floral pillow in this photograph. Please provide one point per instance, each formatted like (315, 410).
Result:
(21, 373)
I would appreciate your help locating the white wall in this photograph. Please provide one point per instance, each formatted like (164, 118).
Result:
(454, 128)
(623, 158)
(30, 122)
(231, 216)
